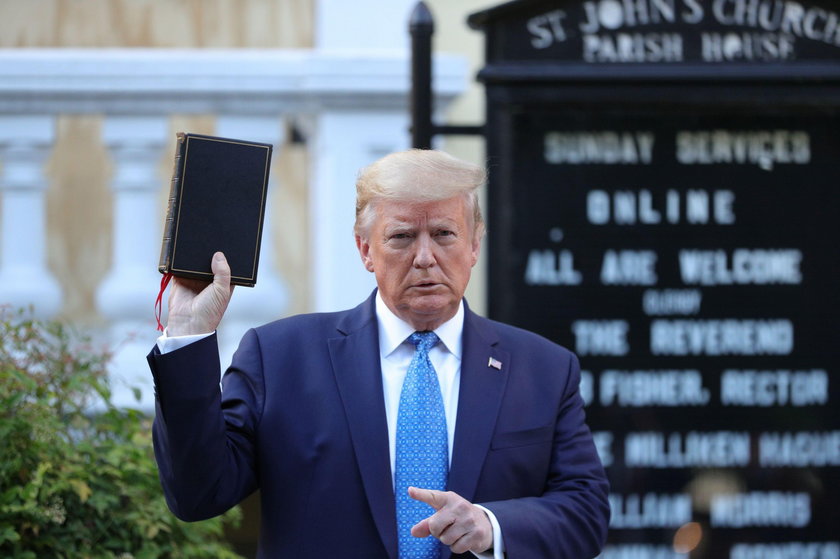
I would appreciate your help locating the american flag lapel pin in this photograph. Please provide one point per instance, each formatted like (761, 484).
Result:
(496, 364)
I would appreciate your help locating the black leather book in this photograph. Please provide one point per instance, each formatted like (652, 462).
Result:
(216, 202)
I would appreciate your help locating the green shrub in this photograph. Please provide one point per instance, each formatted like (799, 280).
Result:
(74, 482)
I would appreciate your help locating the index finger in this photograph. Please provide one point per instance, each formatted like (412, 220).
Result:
(432, 497)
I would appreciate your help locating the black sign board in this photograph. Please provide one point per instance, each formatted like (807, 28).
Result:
(675, 223)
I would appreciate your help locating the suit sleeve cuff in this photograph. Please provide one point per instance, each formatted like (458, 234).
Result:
(166, 343)
(498, 551)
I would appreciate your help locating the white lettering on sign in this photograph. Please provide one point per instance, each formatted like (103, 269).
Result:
(547, 267)
(786, 550)
(764, 148)
(601, 337)
(729, 47)
(744, 266)
(767, 30)
(547, 29)
(586, 387)
(760, 508)
(785, 16)
(603, 445)
(631, 207)
(721, 337)
(629, 267)
(660, 302)
(612, 14)
(774, 388)
(652, 388)
(801, 449)
(602, 148)
(633, 47)
(698, 208)
(716, 449)
(640, 551)
(649, 510)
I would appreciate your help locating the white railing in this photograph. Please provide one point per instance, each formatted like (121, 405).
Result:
(352, 107)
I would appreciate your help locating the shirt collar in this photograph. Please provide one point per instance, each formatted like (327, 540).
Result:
(393, 330)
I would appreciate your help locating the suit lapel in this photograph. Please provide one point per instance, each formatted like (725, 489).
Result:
(355, 361)
(479, 400)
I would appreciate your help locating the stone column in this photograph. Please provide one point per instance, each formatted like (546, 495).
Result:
(25, 144)
(342, 142)
(266, 301)
(369, 123)
(126, 296)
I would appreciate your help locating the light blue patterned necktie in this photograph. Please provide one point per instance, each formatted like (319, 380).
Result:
(422, 456)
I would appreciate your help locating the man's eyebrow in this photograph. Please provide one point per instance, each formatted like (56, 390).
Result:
(398, 224)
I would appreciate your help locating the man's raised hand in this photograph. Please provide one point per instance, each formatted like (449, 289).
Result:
(196, 306)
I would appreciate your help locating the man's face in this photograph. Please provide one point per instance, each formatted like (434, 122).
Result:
(422, 254)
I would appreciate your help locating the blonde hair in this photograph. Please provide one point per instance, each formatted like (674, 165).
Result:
(417, 175)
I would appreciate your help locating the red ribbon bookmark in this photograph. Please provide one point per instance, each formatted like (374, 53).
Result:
(164, 282)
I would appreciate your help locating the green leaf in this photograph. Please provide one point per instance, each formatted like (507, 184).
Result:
(8, 534)
(82, 489)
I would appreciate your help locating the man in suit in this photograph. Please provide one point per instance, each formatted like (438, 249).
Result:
(313, 411)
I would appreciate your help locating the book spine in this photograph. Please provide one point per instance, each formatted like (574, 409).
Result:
(172, 208)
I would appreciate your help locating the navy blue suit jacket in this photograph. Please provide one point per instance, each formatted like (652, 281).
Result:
(302, 418)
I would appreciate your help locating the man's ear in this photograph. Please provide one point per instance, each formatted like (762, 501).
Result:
(364, 251)
(475, 248)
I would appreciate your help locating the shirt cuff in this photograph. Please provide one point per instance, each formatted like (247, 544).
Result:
(166, 343)
(498, 551)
